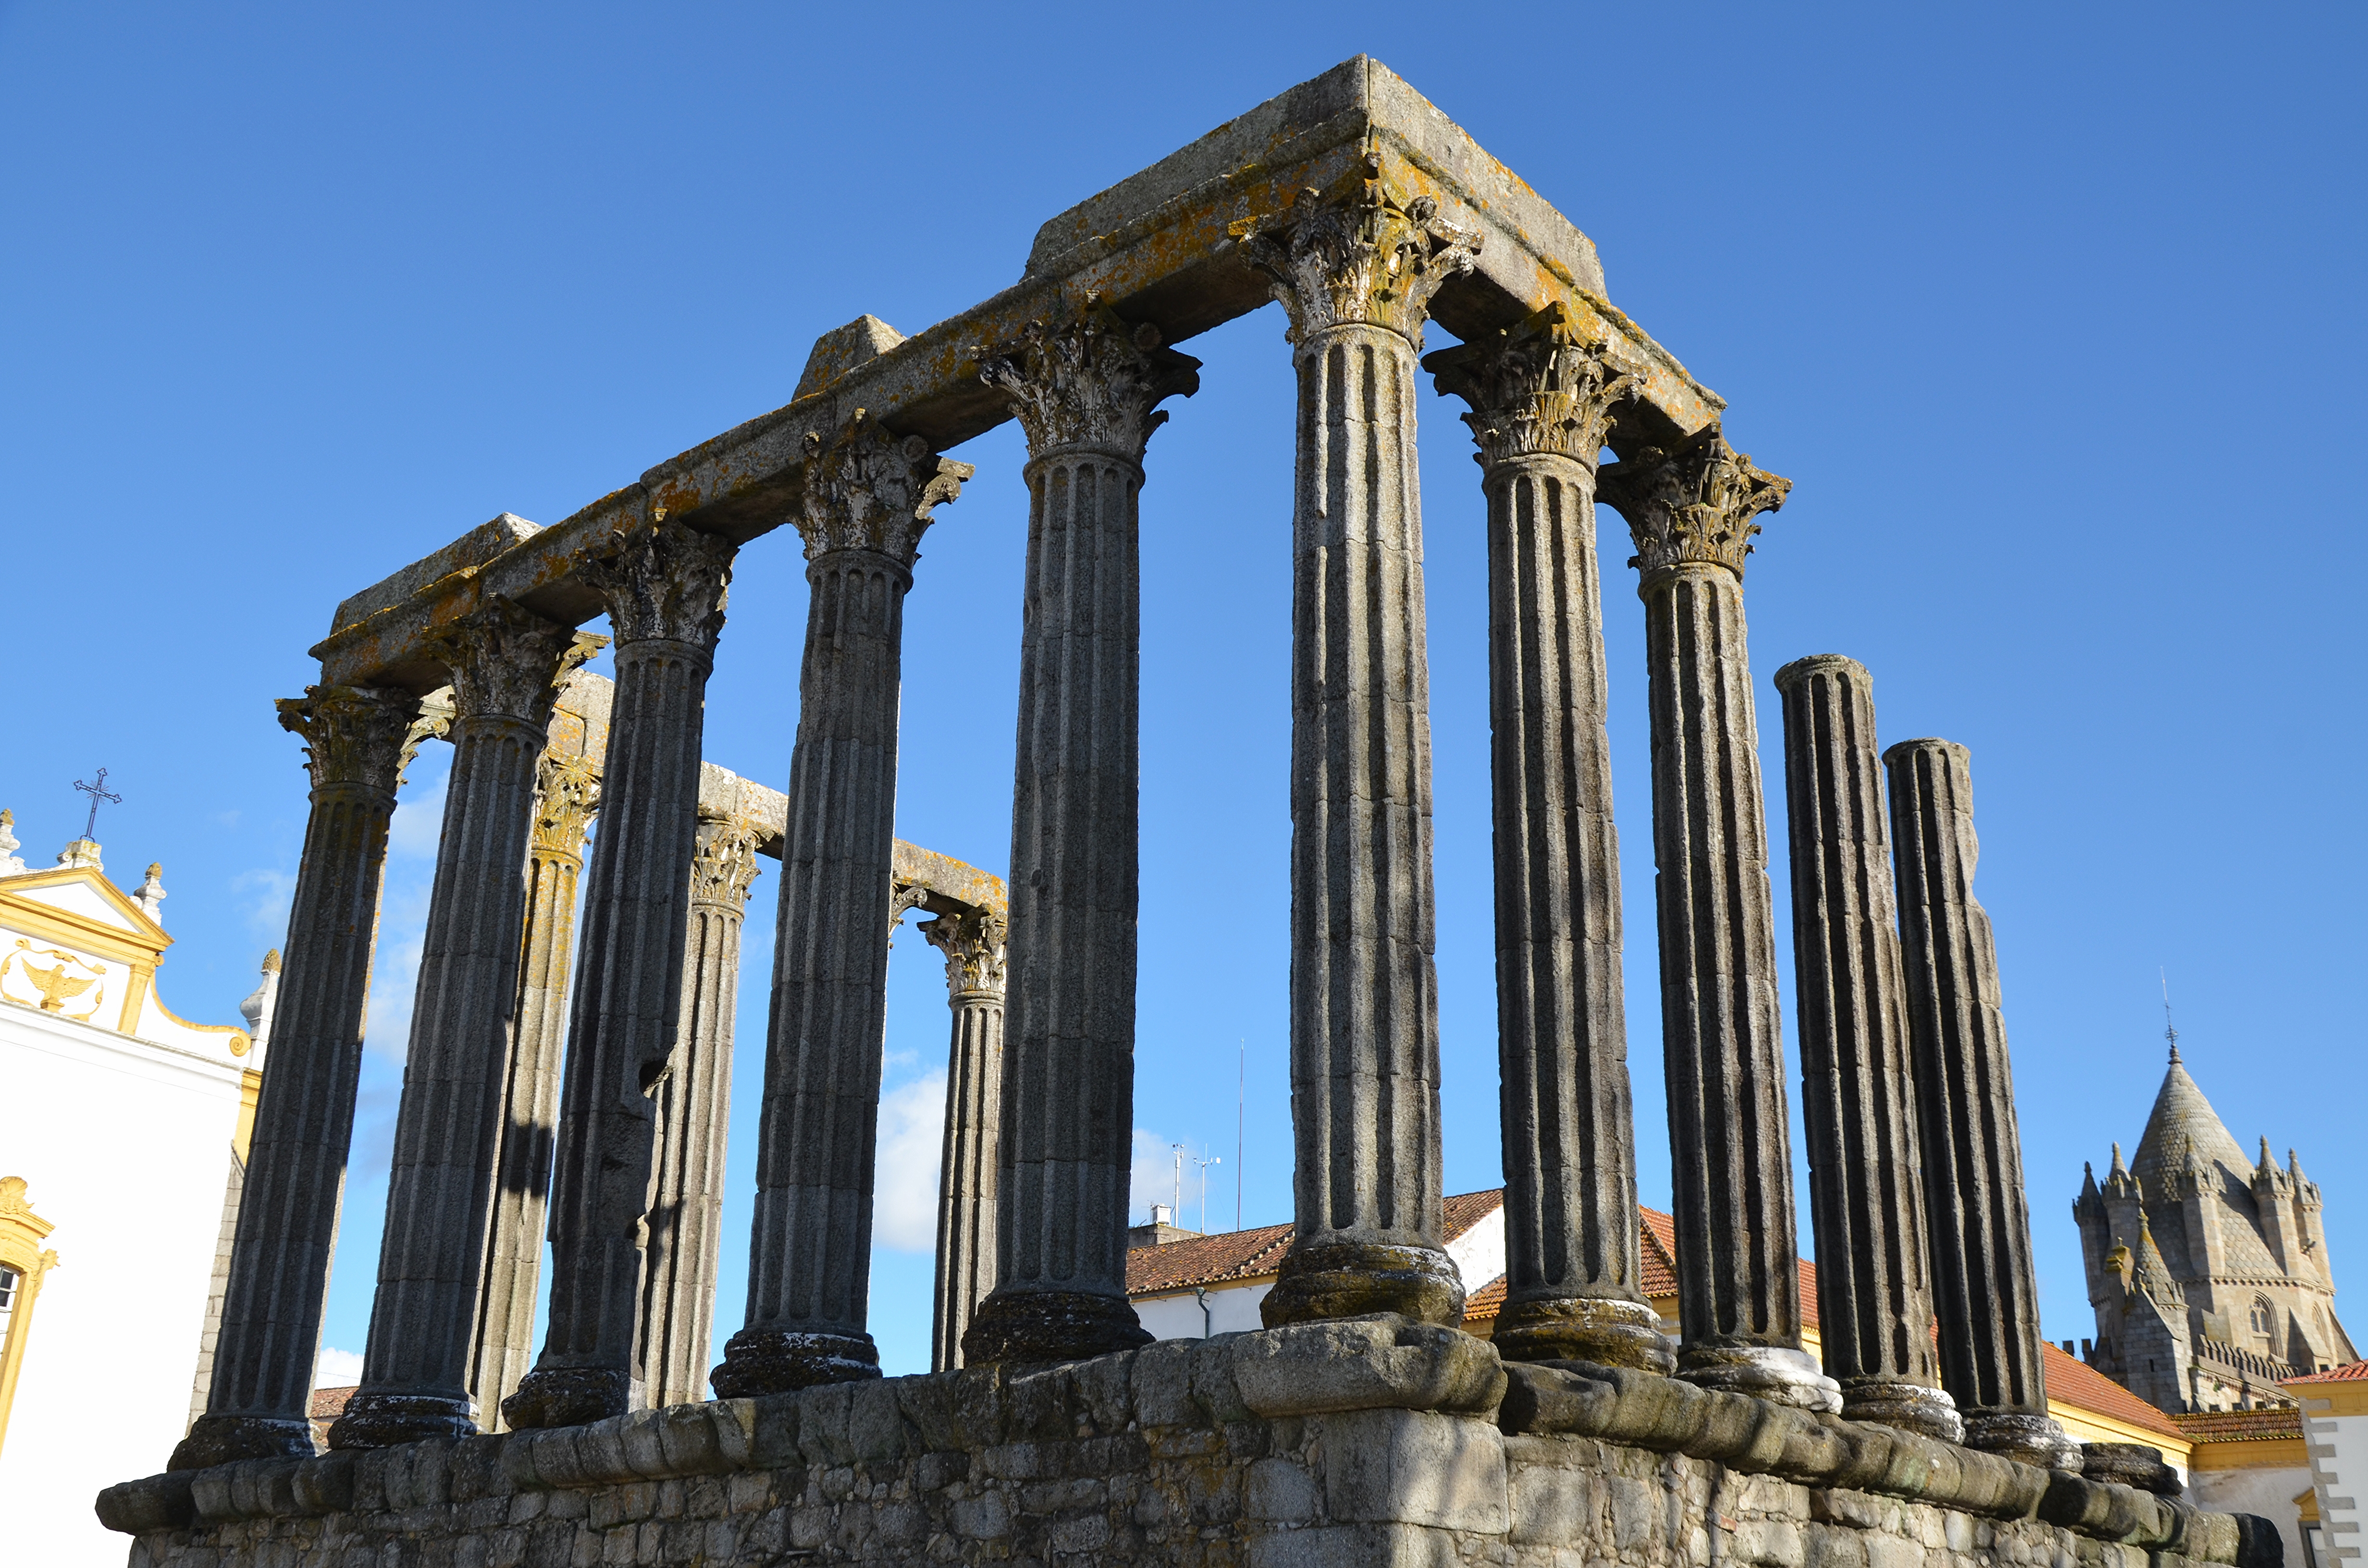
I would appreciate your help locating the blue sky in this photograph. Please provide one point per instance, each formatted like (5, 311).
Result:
(2049, 312)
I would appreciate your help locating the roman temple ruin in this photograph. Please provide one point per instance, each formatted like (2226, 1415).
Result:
(1360, 1426)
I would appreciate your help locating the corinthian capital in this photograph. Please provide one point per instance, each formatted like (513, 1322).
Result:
(665, 583)
(1375, 258)
(353, 734)
(726, 866)
(1692, 503)
(567, 793)
(867, 488)
(973, 943)
(507, 662)
(1535, 387)
(1089, 384)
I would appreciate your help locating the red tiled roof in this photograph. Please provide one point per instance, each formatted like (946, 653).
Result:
(330, 1404)
(2348, 1373)
(2071, 1380)
(1484, 1304)
(1206, 1260)
(1460, 1213)
(1660, 1253)
(2240, 1425)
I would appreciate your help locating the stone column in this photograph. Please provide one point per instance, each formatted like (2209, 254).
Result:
(1874, 1284)
(1355, 272)
(1689, 512)
(506, 666)
(868, 494)
(974, 945)
(1085, 393)
(257, 1405)
(1540, 399)
(1984, 1286)
(567, 793)
(664, 584)
(694, 1113)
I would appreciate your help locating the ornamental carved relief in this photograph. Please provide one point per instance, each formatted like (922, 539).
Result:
(567, 796)
(1537, 388)
(352, 735)
(507, 662)
(1092, 383)
(973, 943)
(725, 866)
(665, 583)
(1693, 503)
(1376, 257)
(868, 488)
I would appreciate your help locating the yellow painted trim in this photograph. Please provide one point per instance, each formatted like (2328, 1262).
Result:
(143, 928)
(54, 925)
(239, 1046)
(2095, 1427)
(2277, 1453)
(250, 1090)
(2308, 1504)
(135, 998)
(2349, 1397)
(21, 1234)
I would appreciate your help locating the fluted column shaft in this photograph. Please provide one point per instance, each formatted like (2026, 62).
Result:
(1574, 1287)
(257, 1404)
(664, 588)
(1875, 1288)
(1083, 392)
(868, 496)
(694, 1112)
(967, 1168)
(1730, 1145)
(506, 665)
(505, 1335)
(1984, 1286)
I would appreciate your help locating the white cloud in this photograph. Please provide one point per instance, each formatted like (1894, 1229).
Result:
(1152, 1177)
(394, 972)
(904, 1180)
(418, 822)
(267, 894)
(337, 1368)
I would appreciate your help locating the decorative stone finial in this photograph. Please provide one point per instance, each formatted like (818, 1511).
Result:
(1371, 257)
(271, 961)
(1535, 387)
(1690, 504)
(11, 865)
(1091, 382)
(81, 852)
(151, 896)
(868, 488)
(258, 1007)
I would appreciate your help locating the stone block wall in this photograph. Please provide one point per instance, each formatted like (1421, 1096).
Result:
(1370, 1442)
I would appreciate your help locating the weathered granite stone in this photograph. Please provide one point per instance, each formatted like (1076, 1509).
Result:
(664, 587)
(972, 942)
(1355, 269)
(1689, 511)
(257, 1406)
(506, 665)
(2132, 1464)
(1542, 398)
(1985, 1291)
(693, 1110)
(868, 496)
(1085, 390)
(1874, 1287)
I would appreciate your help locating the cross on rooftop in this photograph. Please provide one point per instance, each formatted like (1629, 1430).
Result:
(97, 792)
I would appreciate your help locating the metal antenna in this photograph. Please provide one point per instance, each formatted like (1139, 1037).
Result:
(96, 793)
(1179, 1182)
(1204, 1162)
(2169, 1031)
(1241, 1117)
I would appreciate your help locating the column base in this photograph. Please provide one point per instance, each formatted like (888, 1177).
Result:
(783, 1361)
(2020, 1434)
(1024, 1328)
(220, 1439)
(383, 1420)
(1353, 1279)
(1911, 1407)
(1603, 1331)
(1778, 1373)
(2132, 1464)
(568, 1396)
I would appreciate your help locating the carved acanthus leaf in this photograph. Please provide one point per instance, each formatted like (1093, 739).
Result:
(353, 734)
(726, 866)
(664, 581)
(567, 795)
(507, 662)
(868, 488)
(1537, 387)
(973, 943)
(1091, 383)
(1375, 258)
(1692, 503)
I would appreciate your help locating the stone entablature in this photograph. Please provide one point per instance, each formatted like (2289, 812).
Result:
(1368, 1440)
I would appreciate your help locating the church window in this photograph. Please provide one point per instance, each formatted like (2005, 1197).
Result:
(2264, 1317)
(22, 1264)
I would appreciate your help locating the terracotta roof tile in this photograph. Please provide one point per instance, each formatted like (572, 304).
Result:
(2071, 1380)
(2352, 1372)
(1467, 1209)
(330, 1404)
(2240, 1425)
(1205, 1260)
(1482, 1305)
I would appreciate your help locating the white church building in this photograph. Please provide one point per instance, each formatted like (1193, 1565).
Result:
(124, 1130)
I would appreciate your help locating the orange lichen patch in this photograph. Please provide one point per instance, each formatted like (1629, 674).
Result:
(1229, 1257)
